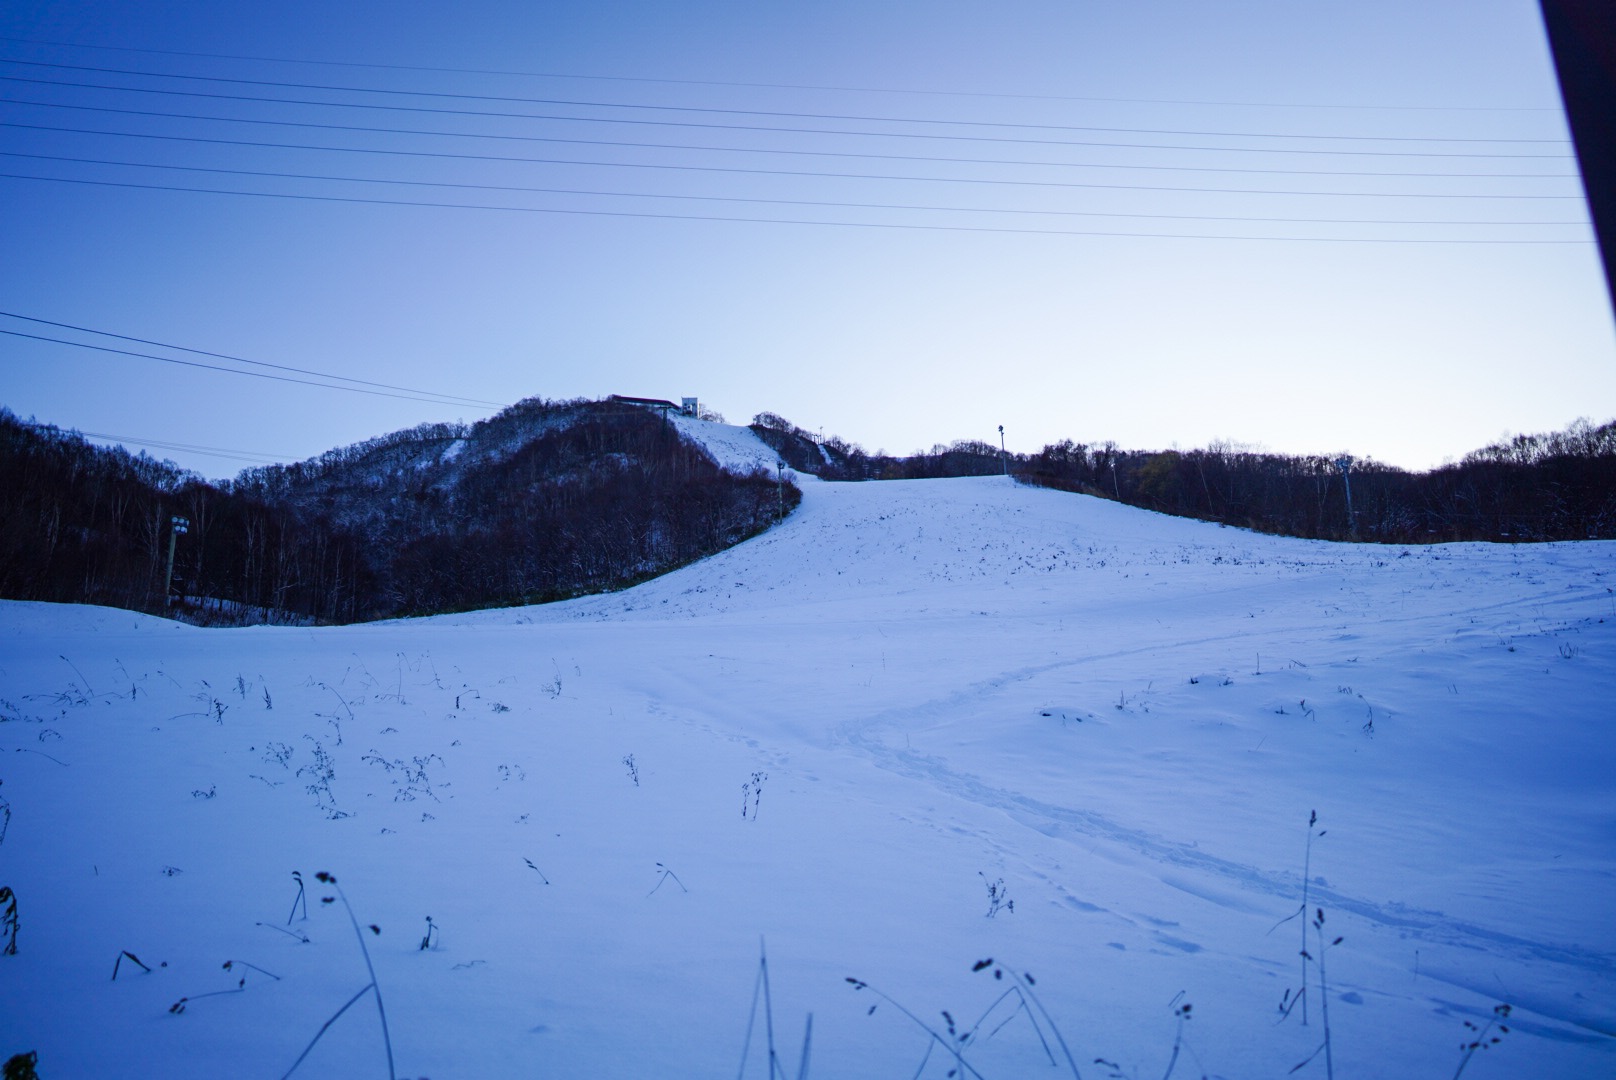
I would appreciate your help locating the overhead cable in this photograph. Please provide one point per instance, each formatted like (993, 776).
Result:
(434, 399)
(638, 121)
(900, 226)
(771, 113)
(785, 86)
(254, 363)
(998, 182)
(617, 143)
(159, 444)
(740, 199)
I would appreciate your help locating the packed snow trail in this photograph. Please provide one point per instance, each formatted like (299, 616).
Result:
(848, 736)
(1245, 608)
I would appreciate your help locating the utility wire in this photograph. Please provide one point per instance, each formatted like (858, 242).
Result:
(734, 170)
(935, 136)
(770, 113)
(445, 398)
(158, 444)
(205, 451)
(428, 398)
(782, 86)
(738, 220)
(741, 199)
(928, 159)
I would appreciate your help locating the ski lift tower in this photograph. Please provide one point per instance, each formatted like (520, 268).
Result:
(1344, 463)
(177, 527)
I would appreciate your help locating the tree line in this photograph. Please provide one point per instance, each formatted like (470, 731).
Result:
(545, 501)
(1554, 486)
(549, 500)
(82, 523)
(837, 459)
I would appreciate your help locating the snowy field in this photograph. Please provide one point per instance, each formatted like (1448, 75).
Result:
(919, 725)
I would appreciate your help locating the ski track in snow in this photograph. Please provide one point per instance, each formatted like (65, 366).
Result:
(923, 685)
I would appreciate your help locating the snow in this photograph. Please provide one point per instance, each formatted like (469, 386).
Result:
(736, 449)
(843, 733)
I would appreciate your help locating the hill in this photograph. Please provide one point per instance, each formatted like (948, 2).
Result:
(546, 500)
(861, 737)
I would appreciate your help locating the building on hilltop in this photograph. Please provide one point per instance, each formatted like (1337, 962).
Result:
(689, 406)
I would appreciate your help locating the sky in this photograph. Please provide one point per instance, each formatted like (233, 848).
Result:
(1307, 228)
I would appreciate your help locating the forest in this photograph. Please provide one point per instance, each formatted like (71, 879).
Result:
(544, 501)
(550, 500)
(1556, 486)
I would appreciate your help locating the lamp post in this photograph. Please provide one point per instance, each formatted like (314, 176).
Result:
(1344, 463)
(177, 525)
(1004, 464)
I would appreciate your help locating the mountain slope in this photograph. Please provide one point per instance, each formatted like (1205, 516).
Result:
(541, 502)
(859, 736)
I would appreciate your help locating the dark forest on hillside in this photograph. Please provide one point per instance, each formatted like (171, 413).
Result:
(836, 459)
(1558, 486)
(543, 502)
(549, 500)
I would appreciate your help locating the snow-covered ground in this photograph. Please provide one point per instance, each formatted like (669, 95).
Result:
(733, 447)
(858, 739)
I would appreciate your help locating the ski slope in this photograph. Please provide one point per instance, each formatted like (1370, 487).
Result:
(855, 739)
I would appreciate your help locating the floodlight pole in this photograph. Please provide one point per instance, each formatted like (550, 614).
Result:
(1344, 463)
(780, 485)
(177, 525)
(1004, 463)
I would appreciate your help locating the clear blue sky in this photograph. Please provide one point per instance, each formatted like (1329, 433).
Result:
(1035, 214)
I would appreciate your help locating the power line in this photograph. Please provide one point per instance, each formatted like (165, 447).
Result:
(794, 152)
(429, 399)
(908, 227)
(187, 448)
(934, 136)
(784, 86)
(771, 113)
(444, 398)
(800, 173)
(739, 199)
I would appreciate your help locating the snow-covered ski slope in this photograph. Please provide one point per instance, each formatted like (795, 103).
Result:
(858, 738)
(737, 449)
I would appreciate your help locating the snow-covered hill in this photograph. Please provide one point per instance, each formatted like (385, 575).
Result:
(858, 738)
(737, 449)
